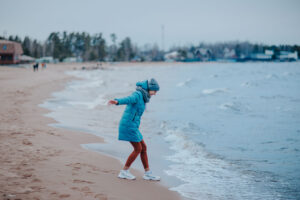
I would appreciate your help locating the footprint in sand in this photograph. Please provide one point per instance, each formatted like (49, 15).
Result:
(27, 142)
(9, 174)
(86, 190)
(52, 133)
(55, 153)
(101, 196)
(92, 169)
(29, 169)
(82, 181)
(15, 133)
(8, 196)
(64, 196)
(25, 176)
(25, 190)
(36, 180)
(75, 166)
(37, 188)
(75, 188)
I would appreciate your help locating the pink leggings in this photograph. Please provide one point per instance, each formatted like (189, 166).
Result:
(138, 148)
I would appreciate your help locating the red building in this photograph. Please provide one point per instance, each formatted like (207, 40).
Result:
(10, 52)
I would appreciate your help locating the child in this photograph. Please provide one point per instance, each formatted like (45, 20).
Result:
(129, 126)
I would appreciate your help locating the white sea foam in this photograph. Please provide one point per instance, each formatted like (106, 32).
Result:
(271, 76)
(249, 84)
(90, 104)
(214, 90)
(206, 176)
(88, 84)
(187, 82)
(234, 106)
(287, 74)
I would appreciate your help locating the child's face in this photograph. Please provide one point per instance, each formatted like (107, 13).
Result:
(152, 92)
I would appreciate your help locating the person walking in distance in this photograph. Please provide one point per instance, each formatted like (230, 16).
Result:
(129, 126)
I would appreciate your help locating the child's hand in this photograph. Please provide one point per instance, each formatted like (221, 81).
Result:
(111, 102)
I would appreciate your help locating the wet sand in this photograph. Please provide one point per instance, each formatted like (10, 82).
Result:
(39, 161)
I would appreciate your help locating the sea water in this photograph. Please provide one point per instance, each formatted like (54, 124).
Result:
(213, 131)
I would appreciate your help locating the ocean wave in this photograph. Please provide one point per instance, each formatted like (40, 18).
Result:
(214, 90)
(90, 104)
(214, 76)
(277, 96)
(187, 82)
(288, 74)
(87, 84)
(207, 175)
(80, 74)
(249, 84)
(234, 106)
(271, 76)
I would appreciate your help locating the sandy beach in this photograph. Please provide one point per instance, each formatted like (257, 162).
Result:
(43, 162)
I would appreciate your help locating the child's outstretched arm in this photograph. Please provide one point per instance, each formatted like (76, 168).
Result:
(111, 102)
(133, 98)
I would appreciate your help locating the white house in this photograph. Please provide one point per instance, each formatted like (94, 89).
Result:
(48, 59)
(286, 55)
(269, 52)
(172, 56)
(229, 53)
(72, 59)
(261, 56)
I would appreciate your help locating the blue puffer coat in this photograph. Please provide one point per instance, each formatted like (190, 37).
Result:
(130, 121)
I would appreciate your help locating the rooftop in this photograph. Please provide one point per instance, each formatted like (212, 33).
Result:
(10, 47)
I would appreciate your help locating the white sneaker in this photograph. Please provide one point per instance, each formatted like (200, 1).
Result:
(148, 176)
(126, 175)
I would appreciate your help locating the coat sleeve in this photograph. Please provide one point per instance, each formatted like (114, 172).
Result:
(133, 98)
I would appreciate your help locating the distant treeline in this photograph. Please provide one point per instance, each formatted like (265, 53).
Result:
(88, 47)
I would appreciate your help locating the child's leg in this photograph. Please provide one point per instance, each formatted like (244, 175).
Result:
(144, 156)
(137, 148)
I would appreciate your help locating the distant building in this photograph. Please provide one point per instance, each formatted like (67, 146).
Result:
(288, 56)
(171, 56)
(229, 54)
(72, 59)
(261, 57)
(267, 56)
(26, 59)
(48, 59)
(10, 52)
(136, 59)
(202, 54)
(269, 52)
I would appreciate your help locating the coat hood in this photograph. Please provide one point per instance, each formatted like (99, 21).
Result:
(143, 84)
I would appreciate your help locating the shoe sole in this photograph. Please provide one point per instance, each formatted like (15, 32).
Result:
(126, 178)
(150, 179)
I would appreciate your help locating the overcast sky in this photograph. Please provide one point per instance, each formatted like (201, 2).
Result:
(185, 21)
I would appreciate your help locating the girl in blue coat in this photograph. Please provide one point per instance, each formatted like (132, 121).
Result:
(130, 122)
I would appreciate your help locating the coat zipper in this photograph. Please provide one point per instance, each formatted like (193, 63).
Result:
(134, 117)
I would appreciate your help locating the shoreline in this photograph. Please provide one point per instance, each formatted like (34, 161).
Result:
(45, 162)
